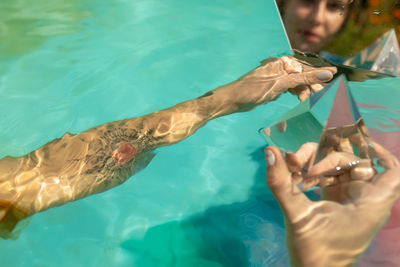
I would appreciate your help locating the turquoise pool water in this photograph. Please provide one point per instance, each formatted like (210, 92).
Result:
(68, 65)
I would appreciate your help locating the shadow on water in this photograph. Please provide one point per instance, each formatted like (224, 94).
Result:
(248, 233)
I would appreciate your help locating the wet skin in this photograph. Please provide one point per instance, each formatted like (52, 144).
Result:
(79, 165)
(336, 230)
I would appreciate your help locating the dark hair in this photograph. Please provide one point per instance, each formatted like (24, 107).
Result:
(280, 4)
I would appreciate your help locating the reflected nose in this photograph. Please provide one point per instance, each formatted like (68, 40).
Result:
(319, 13)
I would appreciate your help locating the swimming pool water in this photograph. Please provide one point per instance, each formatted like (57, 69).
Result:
(70, 65)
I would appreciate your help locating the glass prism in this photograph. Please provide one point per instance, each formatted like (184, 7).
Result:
(381, 56)
(330, 117)
(344, 128)
(306, 121)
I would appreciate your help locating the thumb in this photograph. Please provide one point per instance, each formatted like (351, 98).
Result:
(317, 76)
(291, 200)
(313, 76)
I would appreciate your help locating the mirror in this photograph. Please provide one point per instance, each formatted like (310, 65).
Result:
(358, 37)
(351, 34)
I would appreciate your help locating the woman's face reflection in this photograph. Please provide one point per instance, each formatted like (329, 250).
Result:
(313, 24)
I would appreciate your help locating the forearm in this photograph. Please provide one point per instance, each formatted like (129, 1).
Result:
(76, 166)
(102, 157)
(174, 124)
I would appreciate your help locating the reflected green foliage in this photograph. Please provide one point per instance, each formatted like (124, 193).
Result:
(368, 21)
(24, 24)
(347, 45)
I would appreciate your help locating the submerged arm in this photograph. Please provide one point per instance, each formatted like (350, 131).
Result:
(102, 157)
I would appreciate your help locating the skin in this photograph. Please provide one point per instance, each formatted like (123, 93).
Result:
(333, 139)
(313, 24)
(79, 165)
(338, 229)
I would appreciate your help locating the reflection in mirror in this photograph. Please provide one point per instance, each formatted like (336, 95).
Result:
(338, 30)
(305, 122)
(382, 56)
(360, 38)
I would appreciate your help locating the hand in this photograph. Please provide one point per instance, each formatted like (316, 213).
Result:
(278, 75)
(352, 139)
(336, 230)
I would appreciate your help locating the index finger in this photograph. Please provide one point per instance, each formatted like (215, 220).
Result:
(300, 159)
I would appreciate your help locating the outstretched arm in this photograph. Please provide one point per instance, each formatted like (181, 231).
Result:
(102, 157)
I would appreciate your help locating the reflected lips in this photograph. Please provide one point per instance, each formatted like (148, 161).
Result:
(311, 37)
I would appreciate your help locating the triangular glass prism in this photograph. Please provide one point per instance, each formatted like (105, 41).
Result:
(330, 118)
(381, 56)
(305, 122)
(344, 129)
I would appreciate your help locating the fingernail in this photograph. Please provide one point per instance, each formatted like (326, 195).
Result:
(269, 157)
(324, 76)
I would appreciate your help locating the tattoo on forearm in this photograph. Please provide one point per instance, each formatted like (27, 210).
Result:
(102, 158)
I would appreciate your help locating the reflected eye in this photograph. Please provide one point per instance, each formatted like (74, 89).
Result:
(333, 6)
(337, 6)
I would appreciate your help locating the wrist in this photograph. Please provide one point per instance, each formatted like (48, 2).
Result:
(242, 95)
(321, 261)
(323, 254)
(223, 100)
